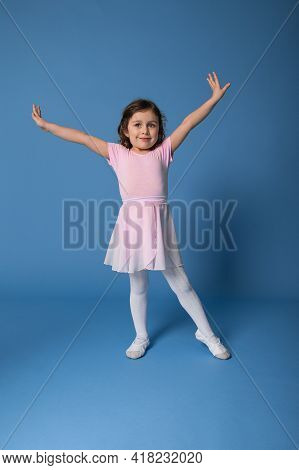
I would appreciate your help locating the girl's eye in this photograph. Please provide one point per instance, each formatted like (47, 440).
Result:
(153, 125)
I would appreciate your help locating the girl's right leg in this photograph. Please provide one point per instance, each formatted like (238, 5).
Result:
(138, 304)
(138, 301)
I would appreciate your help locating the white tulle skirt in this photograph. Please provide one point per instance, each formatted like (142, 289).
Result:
(144, 237)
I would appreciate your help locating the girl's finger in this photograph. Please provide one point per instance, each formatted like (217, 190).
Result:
(211, 83)
(216, 78)
(211, 78)
(211, 86)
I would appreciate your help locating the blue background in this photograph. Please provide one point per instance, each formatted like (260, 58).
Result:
(83, 62)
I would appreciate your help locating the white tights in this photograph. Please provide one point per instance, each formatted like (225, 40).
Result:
(179, 283)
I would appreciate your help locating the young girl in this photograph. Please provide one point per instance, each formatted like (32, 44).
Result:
(144, 235)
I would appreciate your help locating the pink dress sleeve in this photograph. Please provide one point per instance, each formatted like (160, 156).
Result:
(113, 155)
(167, 155)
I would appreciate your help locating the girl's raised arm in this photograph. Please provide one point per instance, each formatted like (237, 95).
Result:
(95, 144)
(194, 118)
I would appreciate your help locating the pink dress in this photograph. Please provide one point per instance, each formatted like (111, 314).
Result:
(144, 235)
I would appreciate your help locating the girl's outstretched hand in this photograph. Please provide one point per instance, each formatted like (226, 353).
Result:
(218, 92)
(37, 117)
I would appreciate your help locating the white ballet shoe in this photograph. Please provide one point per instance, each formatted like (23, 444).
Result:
(137, 348)
(215, 346)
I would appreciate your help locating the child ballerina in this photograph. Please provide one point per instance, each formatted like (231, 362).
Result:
(141, 161)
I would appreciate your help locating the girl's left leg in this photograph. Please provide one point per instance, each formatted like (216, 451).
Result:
(180, 284)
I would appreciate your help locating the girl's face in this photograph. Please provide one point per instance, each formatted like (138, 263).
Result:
(143, 130)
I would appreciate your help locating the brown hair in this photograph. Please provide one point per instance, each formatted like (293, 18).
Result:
(140, 104)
